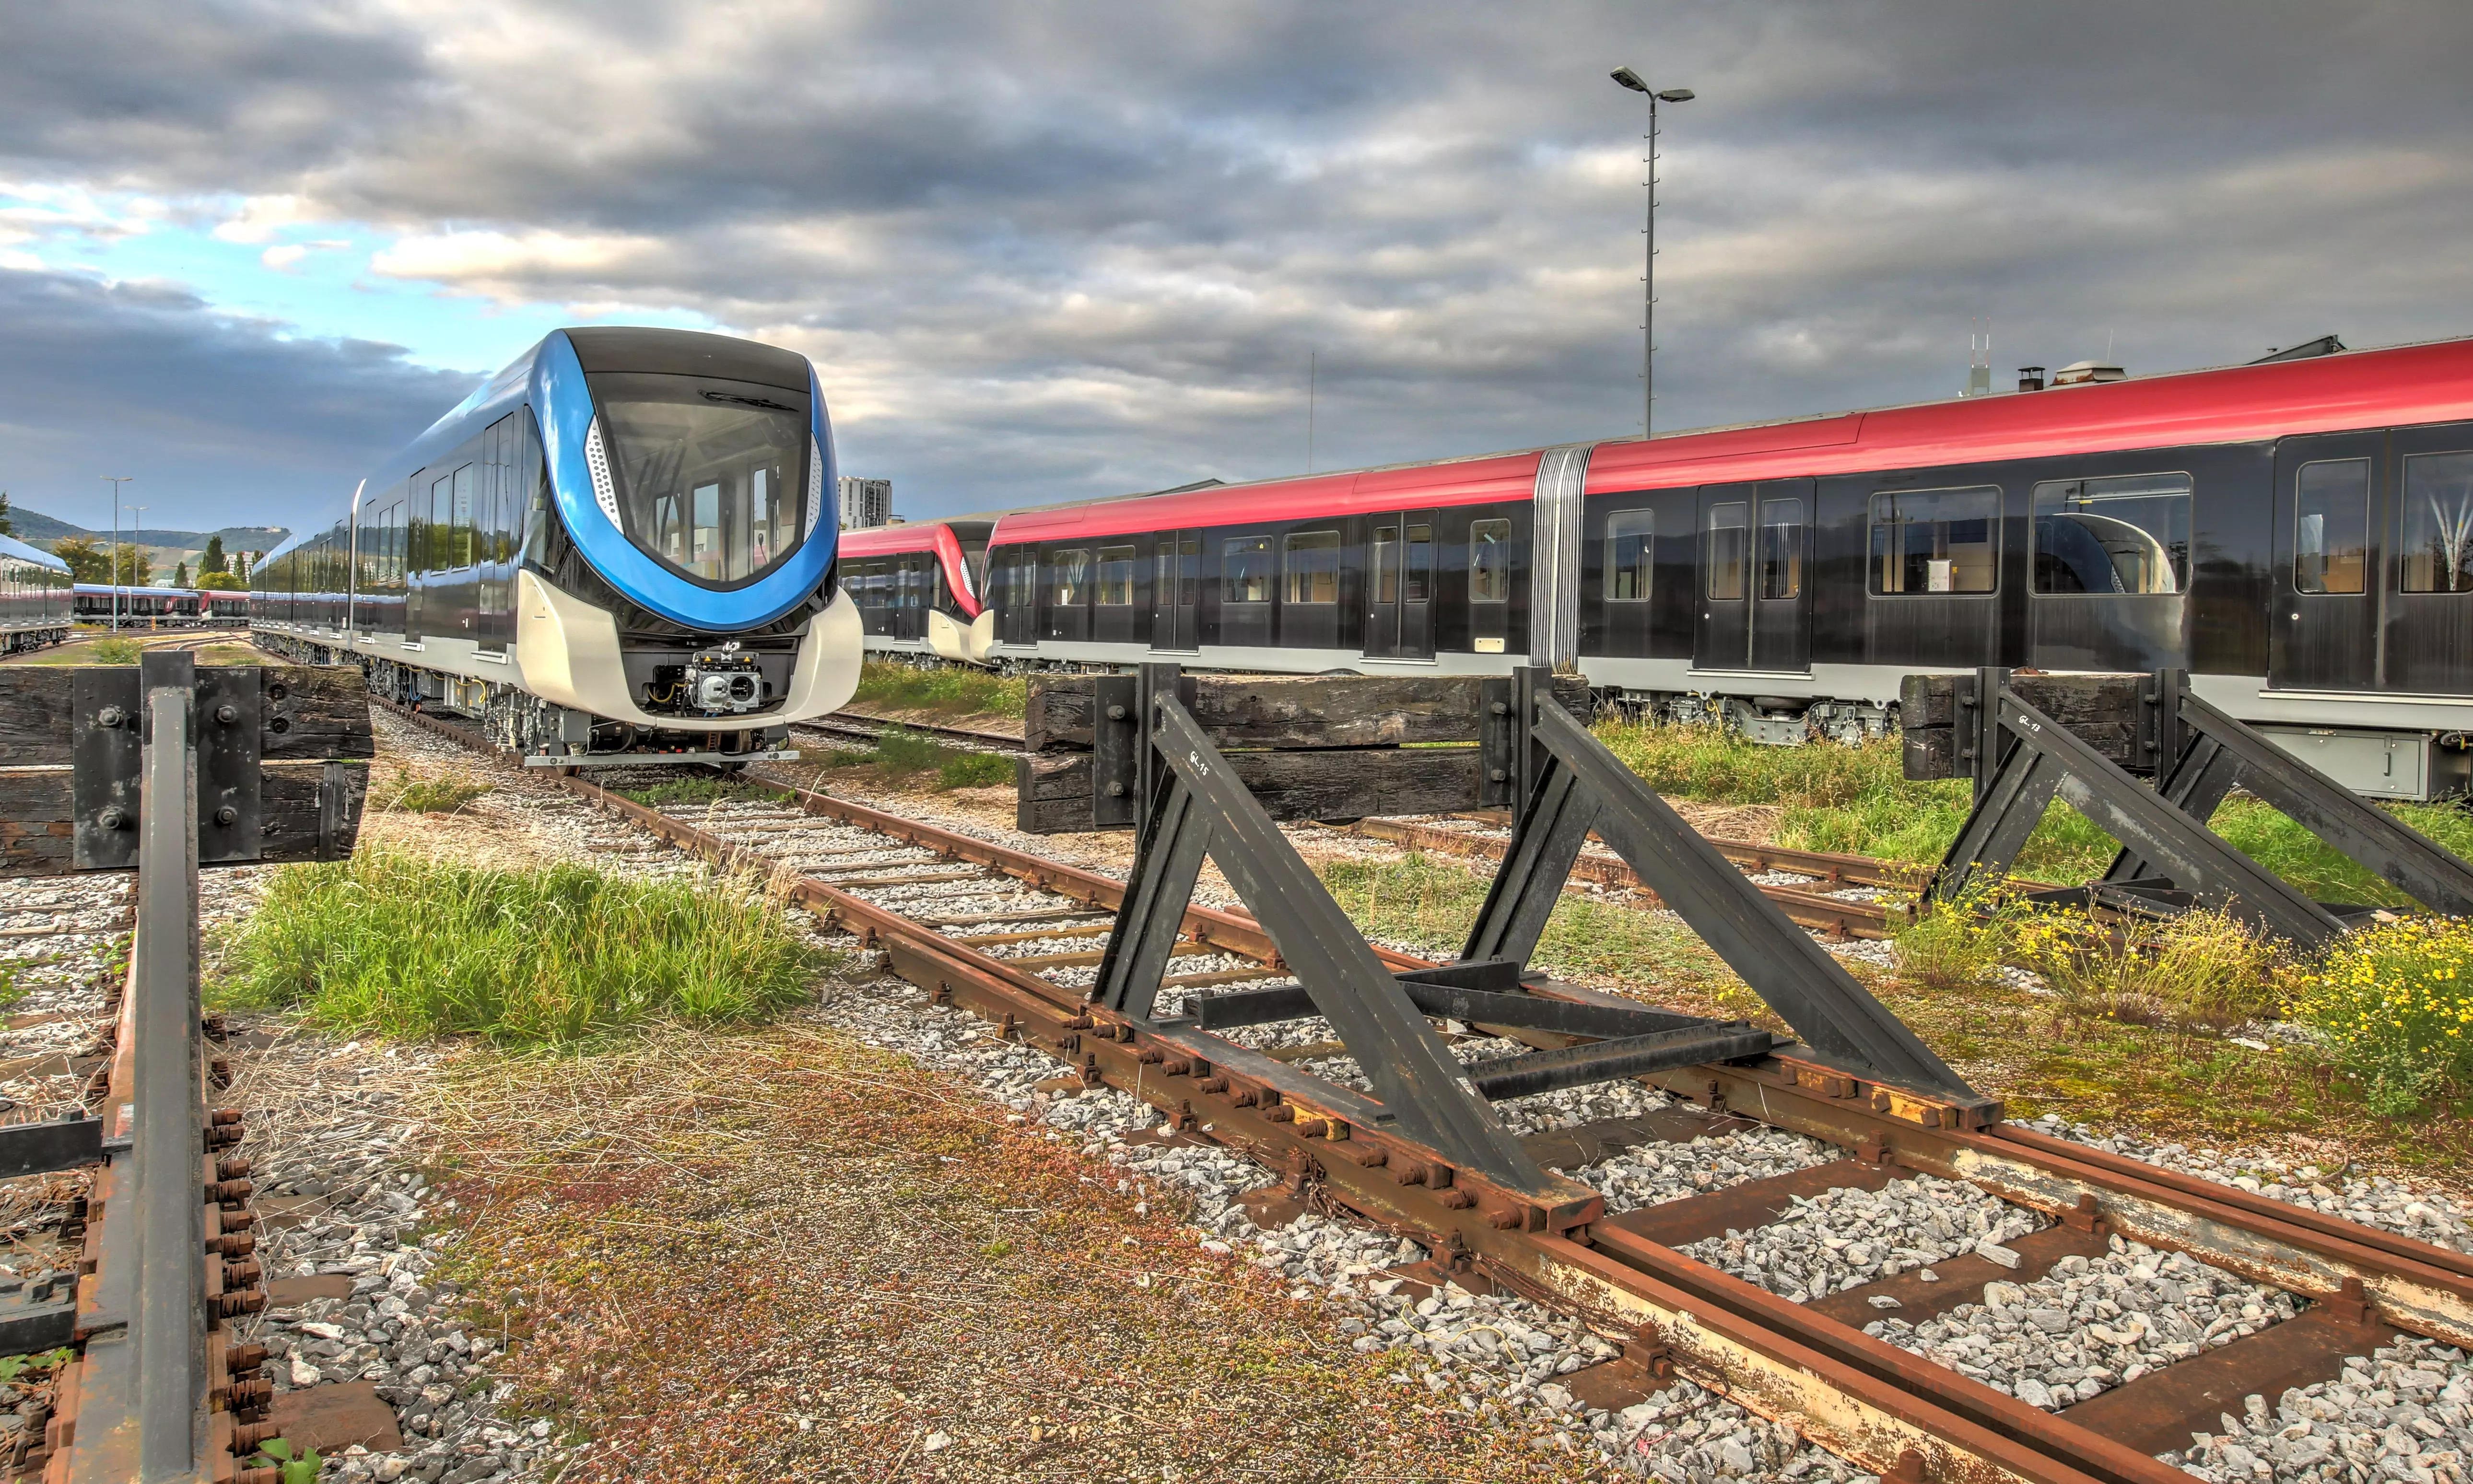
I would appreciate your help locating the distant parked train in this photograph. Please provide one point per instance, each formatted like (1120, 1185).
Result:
(35, 597)
(2297, 533)
(167, 608)
(615, 545)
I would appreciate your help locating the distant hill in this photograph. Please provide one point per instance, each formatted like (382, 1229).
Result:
(38, 529)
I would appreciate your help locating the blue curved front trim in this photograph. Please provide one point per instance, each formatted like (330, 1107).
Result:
(563, 404)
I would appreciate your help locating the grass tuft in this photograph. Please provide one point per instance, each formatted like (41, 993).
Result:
(2204, 969)
(402, 944)
(2396, 1001)
(974, 770)
(431, 796)
(901, 752)
(117, 651)
(705, 790)
(950, 691)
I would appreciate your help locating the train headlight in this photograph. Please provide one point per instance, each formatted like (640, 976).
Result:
(724, 681)
(815, 485)
(605, 494)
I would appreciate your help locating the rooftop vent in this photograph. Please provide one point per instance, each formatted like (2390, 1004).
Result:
(2324, 345)
(2080, 373)
(2030, 379)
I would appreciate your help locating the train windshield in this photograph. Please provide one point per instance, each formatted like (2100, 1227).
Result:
(711, 475)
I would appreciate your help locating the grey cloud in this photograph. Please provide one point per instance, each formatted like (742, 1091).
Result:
(223, 420)
(1064, 249)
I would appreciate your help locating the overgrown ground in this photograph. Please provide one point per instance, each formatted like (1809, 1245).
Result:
(785, 1255)
(953, 695)
(768, 1252)
(2162, 1081)
(95, 647)
(1856, 799)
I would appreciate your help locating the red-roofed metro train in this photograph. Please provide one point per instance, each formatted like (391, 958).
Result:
(2298, 534)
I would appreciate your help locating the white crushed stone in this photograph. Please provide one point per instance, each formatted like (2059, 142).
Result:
(1846, 1237)
(1653, 1174)
(2092, 1324)
(2403, 1413)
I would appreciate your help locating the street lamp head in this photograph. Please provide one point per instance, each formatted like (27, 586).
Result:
(1629, 79)
(1677, 95)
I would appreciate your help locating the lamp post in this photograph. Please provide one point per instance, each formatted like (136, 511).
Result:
(112, 564)
(1648, 233)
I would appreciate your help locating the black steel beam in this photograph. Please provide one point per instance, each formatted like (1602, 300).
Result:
(1780, 961)
(1528, 1012)
(2176, 846)
(1607, 1061)
(2378, 841)
(1414, 1076)
(41, 1148)
(1151, 918)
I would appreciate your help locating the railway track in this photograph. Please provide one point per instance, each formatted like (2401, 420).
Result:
(862, 727)
(1869, 1367)
(160, 1387)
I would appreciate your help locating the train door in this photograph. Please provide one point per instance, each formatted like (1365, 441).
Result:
(2323, 631)
(1018, 598)
(1176, 592)
(2426, 642)
(1755, 578)
(426, 540)
(1781, 577)
(1399, 587)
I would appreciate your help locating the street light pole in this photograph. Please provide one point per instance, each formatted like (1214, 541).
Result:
(111, 564)
(1648, 249)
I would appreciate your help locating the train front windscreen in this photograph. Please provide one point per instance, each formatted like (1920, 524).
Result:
(711, 475)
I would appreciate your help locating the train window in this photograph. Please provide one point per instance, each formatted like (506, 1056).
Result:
(466, 481)
(2331, 526)
(1312, 562)
(1631, 547)
(1117, 576)
(1420, 564)
(2129, 534)
(2438, 522)
(442, 516)
(1729, 525)
(1386, 563)
(1246, 570)
(1068, 578)
(1936, 540)
(1489, 560)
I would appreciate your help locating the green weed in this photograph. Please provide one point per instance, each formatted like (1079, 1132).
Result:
(1961, 944)
(2204, 969)
(117, 651)
(303, 1470)
(705, 790)
(901, 752)
(950, 691)
(407, 946)
(974, 770)
(2396, 1001)
(431, 796)
(13, 1367)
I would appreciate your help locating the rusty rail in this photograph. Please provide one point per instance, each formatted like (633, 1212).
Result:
(1886, 1408)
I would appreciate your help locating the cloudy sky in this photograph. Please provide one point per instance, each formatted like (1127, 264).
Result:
(1054, 248)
